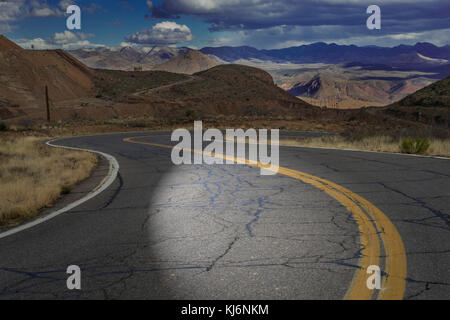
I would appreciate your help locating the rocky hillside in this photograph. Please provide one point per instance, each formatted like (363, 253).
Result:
(342, 93)
(430, 105)
(435, 95)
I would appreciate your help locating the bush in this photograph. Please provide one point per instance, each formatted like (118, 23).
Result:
(190, 114)
(415, 146)
(3, 126)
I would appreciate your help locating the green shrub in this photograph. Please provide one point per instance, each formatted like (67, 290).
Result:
(415, 146)
(3, 126)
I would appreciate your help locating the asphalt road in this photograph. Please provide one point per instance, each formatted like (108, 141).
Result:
(225, 232)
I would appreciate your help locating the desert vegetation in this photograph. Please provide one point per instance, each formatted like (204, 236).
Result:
(118, 84)
(33, 176)
(380, 143)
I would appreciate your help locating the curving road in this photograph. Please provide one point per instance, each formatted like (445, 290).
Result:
(226, 232)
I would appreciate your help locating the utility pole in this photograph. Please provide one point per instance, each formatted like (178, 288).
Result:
(47, 103)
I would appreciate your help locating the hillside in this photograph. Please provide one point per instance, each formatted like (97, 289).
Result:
(79, 92)
(430, 105)
(6, 44)
(232, 90)
(189, 62)
(326, 90)
(25, 73)
(435, 95)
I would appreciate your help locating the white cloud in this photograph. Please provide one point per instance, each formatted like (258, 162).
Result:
(14, 10)
(68, 37)
(162, 33)
(10, 10)
(221, 41)
(63, 4)
(65, 40)
(41, 9)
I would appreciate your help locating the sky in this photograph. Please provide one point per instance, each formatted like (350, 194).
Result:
(263, 24)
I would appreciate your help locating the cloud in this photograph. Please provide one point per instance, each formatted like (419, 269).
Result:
(159, 12)
(66, 40)
(307, 20)
(10, 11)
(67, 37)
(41, 9)
(63, 4)
(221, 41)
(163, 33)
(13, 10)
(289, 36)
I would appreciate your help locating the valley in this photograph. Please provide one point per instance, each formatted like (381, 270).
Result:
(325, 75)
(343, 97)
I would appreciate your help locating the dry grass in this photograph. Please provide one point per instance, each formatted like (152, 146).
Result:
(439, 147)
(33, 176)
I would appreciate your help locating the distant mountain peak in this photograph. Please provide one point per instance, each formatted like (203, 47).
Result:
(189, 62)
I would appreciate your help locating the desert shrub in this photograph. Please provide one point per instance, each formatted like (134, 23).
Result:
(138, 124)
(66, 189)
(3, 126)
(190, 113)
(415, 146)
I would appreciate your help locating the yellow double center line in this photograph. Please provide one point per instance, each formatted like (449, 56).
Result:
(373, 226)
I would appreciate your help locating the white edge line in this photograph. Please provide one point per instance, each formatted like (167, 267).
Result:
(106, 182)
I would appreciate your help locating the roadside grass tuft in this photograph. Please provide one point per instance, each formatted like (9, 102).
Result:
(415, 146)
(431, 147)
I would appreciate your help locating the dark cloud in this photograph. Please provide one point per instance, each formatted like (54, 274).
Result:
(269, 23)
(158, 12)
(400, 15)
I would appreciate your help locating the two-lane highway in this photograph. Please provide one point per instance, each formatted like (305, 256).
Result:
(225, 232)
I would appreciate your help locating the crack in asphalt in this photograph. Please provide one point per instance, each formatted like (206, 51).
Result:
(437, 213)
(230, 245)
(116, 192)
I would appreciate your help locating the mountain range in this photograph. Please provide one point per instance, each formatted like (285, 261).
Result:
(333, 53)
(127, 58)
(420, 56)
